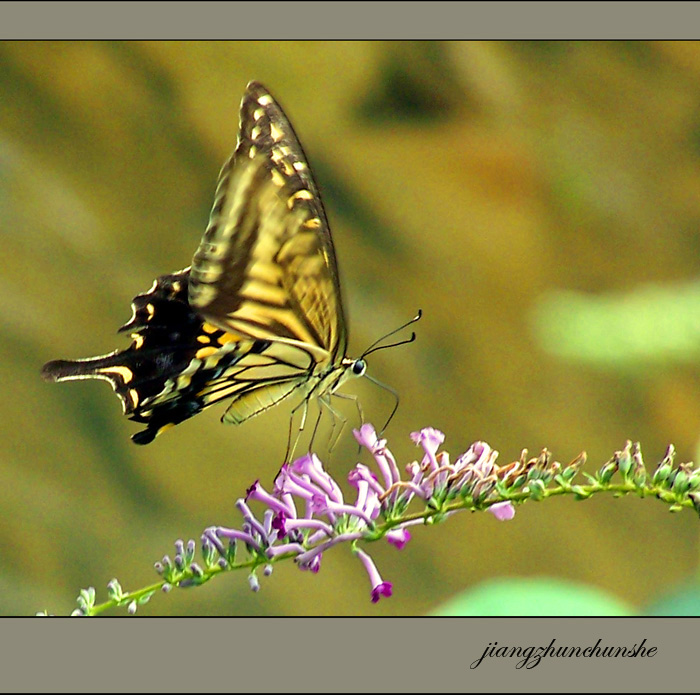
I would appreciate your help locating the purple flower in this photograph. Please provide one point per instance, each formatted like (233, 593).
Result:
(250, 519)
(313, 564)
(278, 524)
(366, 436)
(398, 537)
(503, 511)
(430, 439)
(379, 586)
(383, 589)
(285, 548)
(315, 524)
(256, 492)
(362, 473)
(486, 458)
(311, 466)
(348, 509)
(210, 537)
(473, 465)
(236, 535)
(297, 485)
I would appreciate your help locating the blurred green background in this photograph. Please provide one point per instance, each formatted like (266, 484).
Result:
(539, 201)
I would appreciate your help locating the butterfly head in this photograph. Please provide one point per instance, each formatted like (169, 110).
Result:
(358, 367)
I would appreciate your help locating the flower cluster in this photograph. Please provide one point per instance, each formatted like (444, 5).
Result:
(434, 480)
(306, 512)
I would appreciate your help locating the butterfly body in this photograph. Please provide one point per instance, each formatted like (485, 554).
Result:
(258, 316)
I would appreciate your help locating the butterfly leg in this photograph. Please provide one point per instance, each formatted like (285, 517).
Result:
(333, 440)
(291, 449)
(352, 397)
(313, 434)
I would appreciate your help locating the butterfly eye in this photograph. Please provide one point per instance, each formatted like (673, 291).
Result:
(359, 367)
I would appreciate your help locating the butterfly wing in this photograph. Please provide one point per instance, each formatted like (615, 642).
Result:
(266, 266)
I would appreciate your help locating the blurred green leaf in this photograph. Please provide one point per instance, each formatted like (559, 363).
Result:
(533, 597)
(683, 600)
(651, 323)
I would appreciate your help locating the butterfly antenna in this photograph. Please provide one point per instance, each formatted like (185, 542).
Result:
(391, 345)
(392, 392)
(373, 347)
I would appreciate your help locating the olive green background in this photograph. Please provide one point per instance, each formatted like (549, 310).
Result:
(484, 182)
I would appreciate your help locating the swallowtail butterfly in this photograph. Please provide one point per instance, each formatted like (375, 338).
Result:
(257, 317)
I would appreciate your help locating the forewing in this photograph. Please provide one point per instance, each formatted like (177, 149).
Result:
(266, 266)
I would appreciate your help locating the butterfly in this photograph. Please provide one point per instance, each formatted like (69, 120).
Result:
(257, 318)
